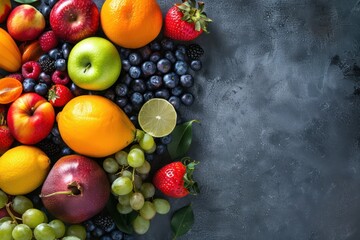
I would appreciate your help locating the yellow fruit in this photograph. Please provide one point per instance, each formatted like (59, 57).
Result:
(95, 126)
(131, 23)
(10, 57)
(23, 169)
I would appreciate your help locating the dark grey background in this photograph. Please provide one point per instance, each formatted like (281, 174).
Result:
(278, 139)
(279, 135)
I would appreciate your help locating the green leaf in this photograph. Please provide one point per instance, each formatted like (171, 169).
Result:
(181, 140)
(25, 1)
(122, 221)
(182, 221)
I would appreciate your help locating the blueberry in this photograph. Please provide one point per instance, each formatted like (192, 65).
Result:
(181, 48)
(76, 90)
(134, 119)
(110, 94)
(106, 237)
(181, 67)
(166, 140)
(60, 64)
(97, 232)
(57, 140)
(167, 44)
(163, 93)
(52, 3)
(135, 58)
(163, 65)
(145, 52)
(175, 101)
(66, 46)
(28, 85)
(65, 49)
(126, 64)
(177, 91)
(170, 56)
(116, 235)
(155, 46)
(171, 80)
(180, 55)
(110, 227)
(121, 89)
(148, 68)
(55, 54)
(160, 149)
(149, 157)
(187, 80)
(124, 53)
(147, 96)
(187, 99)
(195, 65)
(127, 79)
(89, 225)
(136, 98)
(135, 72)
(155, 57)
(121, 101)
(138, 85)
(154, 82)
(45, 10)
(66, 151)
(45, 78)
(128, 108)
(55, 131)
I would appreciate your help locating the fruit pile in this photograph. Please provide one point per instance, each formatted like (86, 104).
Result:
(90, 100)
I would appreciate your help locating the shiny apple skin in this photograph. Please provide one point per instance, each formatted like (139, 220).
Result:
(25, 23)
(30, 118)
(5, 8)
(91, 178)
(74, 20)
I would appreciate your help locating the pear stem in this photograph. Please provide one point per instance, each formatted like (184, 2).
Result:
(69, 192)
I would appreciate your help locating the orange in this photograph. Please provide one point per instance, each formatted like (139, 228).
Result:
(131, 23)
(10, 90)
(94, 126)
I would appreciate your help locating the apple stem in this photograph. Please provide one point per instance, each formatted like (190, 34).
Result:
(87, 67)
(10, 212)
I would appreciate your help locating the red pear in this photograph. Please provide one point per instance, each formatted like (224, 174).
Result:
(76, 189)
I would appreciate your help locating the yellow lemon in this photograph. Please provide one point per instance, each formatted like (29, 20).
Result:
(23, 169)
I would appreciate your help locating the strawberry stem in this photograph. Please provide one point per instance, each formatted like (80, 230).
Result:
(193, 14)
(189, 183)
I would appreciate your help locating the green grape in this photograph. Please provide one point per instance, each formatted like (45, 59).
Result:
(76, 230)
(33, 217)
(126, 173)
(124, 199)
(145, 168)
(141, 225)
(137, 201)
(136, 158)
(162, 206)
(110, 165)
(44, 232)
(123, 209)
(144, 176)
(148, 211)
(3, 199)
(148, 190)
(21, 203)
(122, 186)
(137, 181)
(147, 143)
(70, 238)
(112, 177)
(22, 232)
(139, 134)
(151, 150)
(6, 229)
(135, 146)
(59, 227)
(4, 219)
(121, 158)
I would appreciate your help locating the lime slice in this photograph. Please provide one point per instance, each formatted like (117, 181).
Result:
(157, 117)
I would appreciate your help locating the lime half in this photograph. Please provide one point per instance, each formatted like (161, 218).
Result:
(157, 117)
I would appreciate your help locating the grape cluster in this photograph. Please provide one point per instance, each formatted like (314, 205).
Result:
(25, 222)
(127, 171)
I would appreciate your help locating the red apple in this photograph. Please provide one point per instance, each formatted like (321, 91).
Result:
(74, 20)
(5, 8)
(76, 189)
(25, 23)
(30, 118)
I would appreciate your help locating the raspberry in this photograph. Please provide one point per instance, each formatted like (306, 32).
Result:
(31, 69)
(59, 77)
(17, 76)
(48, 41)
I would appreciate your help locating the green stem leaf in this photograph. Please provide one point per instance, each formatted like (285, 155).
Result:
(182, 221)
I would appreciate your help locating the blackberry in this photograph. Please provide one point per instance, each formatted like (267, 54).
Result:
(47, 65)
(194, 51)
(50, 148)
(104, 222)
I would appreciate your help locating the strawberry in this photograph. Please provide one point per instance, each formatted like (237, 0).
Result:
(6, 139)
(48, 41)
(59, 95)
(185, 22)
(174, 179)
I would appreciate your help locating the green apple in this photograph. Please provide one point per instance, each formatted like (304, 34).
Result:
(94, 64)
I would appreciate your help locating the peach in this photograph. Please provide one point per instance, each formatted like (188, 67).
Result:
(25, 23)
(5, 8)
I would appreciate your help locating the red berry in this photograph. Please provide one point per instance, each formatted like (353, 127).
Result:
(48, 41)
(17, 76)
(6, 139)
(59, 77)
(31, 69)
(59, 95)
